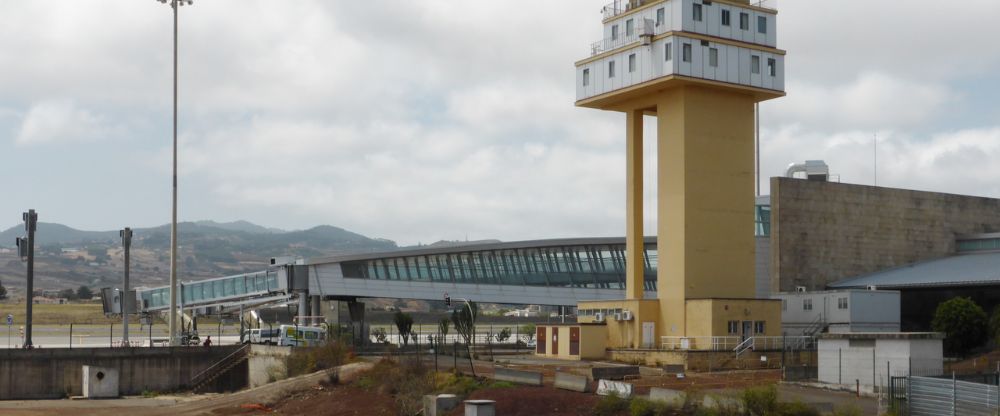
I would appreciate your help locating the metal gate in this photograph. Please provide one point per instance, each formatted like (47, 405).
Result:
(897, 394)
(939, 397)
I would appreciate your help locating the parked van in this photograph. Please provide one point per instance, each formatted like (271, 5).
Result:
(301, 336)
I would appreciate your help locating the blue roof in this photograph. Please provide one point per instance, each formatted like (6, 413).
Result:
(974, 269)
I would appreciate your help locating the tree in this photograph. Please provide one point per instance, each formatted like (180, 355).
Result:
(69, 294)
(995, 325)
(84, 293)
(529, 331)
(443, 329)
(503, 335)
(464, 319)
(964, 322)
(404, 323)
(3, 292)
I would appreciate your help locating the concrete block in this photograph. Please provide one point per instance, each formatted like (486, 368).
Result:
(480, 408)
(435, 405)
(667, 396)
(571, 382)
(100, 382)
(618, 388)
(613, 373)
(673, 369)
(530, 378)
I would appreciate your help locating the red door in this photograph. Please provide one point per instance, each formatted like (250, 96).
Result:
(574, 341)
(555, 340)
(540, 340)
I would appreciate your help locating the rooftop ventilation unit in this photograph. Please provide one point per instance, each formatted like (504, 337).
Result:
(815, 170)
(800, 289)
(599, 317)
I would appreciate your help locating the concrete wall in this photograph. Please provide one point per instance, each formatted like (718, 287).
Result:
(762, 266)
(593, 341)
(266, 363)
(710, 317)
(625, 334)
(58, 373)
(823, 232)
(849, 361)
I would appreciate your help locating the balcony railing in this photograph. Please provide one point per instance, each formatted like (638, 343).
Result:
(619, 7)
(645, 28)
(622, 6)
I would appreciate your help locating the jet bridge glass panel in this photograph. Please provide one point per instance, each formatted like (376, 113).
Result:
(582, 266)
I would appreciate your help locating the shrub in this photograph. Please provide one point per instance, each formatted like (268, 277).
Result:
(643, 407)
(760, 401)
(611, 405)
(851, 411)
(309, 360)
(450, 383)
(797, 409)
(963, 321)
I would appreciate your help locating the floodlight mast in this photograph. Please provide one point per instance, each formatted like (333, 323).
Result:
(172, 314)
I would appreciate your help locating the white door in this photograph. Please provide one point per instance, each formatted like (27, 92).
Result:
(648, 329)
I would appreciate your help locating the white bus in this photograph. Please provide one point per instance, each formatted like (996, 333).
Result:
(267, 336)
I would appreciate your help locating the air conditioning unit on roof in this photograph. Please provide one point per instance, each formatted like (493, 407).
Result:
(599, 317)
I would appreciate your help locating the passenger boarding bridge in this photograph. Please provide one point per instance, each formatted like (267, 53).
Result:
(543, 272)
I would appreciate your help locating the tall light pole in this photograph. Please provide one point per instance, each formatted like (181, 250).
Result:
(126, 235)
(172, 315)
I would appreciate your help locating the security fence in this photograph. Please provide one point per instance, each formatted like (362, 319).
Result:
(939, 397)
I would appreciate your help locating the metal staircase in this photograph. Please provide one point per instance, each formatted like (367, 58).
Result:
(206, 377)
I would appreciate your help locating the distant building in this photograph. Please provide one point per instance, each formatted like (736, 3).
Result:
(529, 312)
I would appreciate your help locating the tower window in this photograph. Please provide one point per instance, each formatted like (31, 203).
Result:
(725, 17)
(668, 51)
(744, 21)
(686, 53)
(614, 32)
(772, 69)
(755, 64)
(629, 27)
(697, 12)
(631, 63)
(611, 69)
(661, 15)
(713, 57)
(761, 24)
(586, 77)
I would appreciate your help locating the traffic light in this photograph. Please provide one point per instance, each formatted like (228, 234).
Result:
(22, 248)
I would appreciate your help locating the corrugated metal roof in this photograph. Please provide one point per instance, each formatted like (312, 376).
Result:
(974, 269)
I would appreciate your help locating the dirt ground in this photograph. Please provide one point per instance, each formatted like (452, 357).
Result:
(532, 401)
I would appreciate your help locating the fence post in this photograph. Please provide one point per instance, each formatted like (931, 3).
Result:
(840, 366)
(70, 335)
(111, 335)
(150, 333)
(954, 393)
(874, 383)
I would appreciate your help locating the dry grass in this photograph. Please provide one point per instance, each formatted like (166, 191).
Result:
(77, 313)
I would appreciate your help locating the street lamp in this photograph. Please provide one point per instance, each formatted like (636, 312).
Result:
(172, 315)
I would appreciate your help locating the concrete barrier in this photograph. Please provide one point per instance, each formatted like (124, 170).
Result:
(614, 373)
(436, 405)
(100, 383)
(657, 394)
(480, 408)
(617, 388)
(571, 382)
(673, 369)
(530, 378)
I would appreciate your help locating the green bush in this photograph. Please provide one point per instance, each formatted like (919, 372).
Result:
(964, 322)
(852, 411)
(611, 406)
(643, 407)
(760, 401)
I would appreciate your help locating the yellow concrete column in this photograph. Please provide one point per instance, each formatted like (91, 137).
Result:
(706, 192)
(634, 244)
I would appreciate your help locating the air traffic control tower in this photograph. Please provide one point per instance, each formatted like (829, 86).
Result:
(699, 67)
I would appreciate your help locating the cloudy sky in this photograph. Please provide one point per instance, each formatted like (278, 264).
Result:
(441, 119)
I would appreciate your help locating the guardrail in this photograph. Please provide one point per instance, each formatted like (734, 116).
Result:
(618, 7)
(737, 344)
(645, 27)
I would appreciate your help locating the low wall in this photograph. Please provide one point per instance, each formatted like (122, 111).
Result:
(530, 378)
(58, 372)
(712, 360)
(267, 364)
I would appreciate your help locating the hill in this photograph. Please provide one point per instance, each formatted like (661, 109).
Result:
(68, 257)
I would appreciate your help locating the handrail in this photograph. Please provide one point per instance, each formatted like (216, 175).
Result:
(744, 346)
(197, 379)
